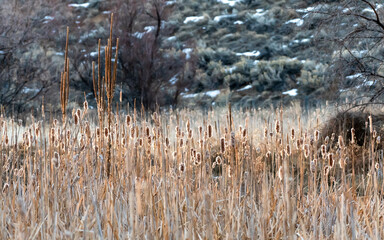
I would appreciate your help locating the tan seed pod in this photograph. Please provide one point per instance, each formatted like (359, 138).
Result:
(323, 151)
(182, 167)
(280, 173)
(222, 145)
(293, 134)
(330, 159)
(317, 135)
(265, 132)
(306, 150)
(209, 131)
(277, 126)
(218, 160)
(341, 142)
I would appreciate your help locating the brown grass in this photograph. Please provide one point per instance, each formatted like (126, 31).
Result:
(163, 183)
(221, 174)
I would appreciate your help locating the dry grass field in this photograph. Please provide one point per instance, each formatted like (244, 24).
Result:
(189, 174)
(218, 174)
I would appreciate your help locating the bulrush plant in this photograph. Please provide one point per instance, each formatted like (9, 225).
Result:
(190, 174)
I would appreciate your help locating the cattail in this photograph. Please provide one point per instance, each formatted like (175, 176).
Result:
(188, 125)
(181, 142)
(298, 144)
(147, 131)
(182, 167)
(229, 169)
(133, 132)
(323, 151)
(128, 120)
(313, 165)
(140, 142)
(55, 122)
(56, 160)
(200, 130)
(78, 112)
(341, 142)
(85, 105)
(317, 135)
(330, 159)
(280, 174)
(167, 142)
(326, 140)
(76, 119)
(326, 170)
(198, 158)
(222, 145)
(265, 132)
(233, 139)
(209, 131)
(288, 150)
(277, 126)
(5, 188)
(333, 137)
(106, 132)
(268, 154)
(190, 133)
(177, 131)
(370, 124)
(306, 150)
(342, 163)
(219, 161)
(352, 135)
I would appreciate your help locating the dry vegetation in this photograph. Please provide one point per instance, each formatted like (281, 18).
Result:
(185, 174)
(189, 175)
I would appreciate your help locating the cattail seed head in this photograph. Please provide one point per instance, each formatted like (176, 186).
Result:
(209, 130)
(326, 140)
(219, 161)
(323, 151)
(288, 150)
(352, 135)
(313, 166)
(182, 167)
(128, 120)
(268, 154)
(341, 142)
(265, 132)
(76, 119)
(222, 145)
(5, 188)
(306, 150)
(370, 124)
(326, 170)
(85, 106)
(106, 132)
(330, 159)
(277, 126)
(317, 135)
(280, 174)
(181, 142)
(293, 134)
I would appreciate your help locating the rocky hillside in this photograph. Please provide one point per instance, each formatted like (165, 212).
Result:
(252, 53)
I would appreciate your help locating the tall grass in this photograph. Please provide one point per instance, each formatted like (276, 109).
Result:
(187, 174)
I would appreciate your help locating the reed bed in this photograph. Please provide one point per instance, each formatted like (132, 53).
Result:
(185, 174)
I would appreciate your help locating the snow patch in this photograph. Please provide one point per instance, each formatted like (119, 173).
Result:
(298, 21)
(47, 19)
(238, 22)
(259, 13)
(194, 19)
(230, 70)
(292, 92)
(171, 39)
(354, 76)
(245, 88)
(147, 29)
(249, 54)
(187, 52)
(2, 52)
(230, 2)
(79, 5)
(221, 17)
(174, 79)
(213, 93)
